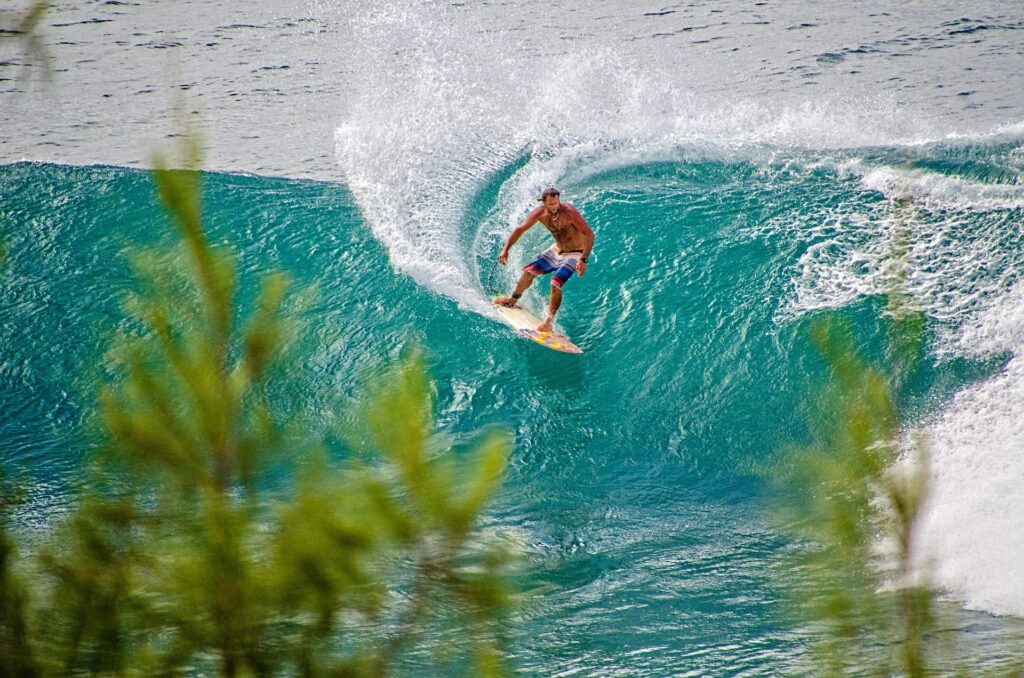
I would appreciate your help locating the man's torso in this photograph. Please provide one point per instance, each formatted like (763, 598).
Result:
(562, 225)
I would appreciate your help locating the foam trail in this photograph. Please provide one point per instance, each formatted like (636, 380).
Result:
(414, 161)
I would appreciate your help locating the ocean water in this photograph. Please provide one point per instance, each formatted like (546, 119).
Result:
(739, 164)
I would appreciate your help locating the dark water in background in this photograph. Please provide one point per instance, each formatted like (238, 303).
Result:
(731, 204)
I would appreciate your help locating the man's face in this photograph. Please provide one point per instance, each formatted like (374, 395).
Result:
(551, 203)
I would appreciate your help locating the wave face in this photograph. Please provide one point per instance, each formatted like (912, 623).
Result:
(724, 219)
(635, 484)
(741, 169)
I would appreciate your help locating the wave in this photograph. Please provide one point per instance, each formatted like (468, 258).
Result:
(962, 265)
(482, 120)
(428, 129)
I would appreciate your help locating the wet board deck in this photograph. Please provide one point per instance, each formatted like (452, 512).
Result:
(524, 322)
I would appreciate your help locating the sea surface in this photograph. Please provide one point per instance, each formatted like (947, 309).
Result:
(743, 166)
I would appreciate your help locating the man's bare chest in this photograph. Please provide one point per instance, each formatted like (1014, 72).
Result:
(560, 226)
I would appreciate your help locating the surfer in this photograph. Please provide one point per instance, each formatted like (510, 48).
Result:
(573, 241)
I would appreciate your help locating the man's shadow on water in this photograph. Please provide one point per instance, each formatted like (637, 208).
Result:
(552, 369)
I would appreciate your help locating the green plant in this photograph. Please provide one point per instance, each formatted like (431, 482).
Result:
(215, 532)
(854, 498)
(856, 509)
(27, 32)
(16, 656)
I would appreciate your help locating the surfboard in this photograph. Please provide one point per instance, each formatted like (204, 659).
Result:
(525, 322)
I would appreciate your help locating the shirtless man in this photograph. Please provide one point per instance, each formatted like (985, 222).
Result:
(573, 241)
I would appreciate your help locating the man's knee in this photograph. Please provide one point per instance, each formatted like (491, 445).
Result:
(559, 279)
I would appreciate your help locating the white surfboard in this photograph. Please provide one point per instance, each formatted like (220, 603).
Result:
(526, 323)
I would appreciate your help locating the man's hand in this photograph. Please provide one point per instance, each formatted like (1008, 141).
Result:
(581, 267)
(503, 257)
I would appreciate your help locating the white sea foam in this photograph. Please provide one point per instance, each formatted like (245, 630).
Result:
(959, 239)
(972, 534)
(941, 190)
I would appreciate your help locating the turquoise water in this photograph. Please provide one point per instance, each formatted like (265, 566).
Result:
(637, 483)
(740, 164)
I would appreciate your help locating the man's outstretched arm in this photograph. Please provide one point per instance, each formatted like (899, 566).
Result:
(527, 224)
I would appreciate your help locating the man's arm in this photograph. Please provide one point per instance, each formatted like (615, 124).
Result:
(527, 224)
(588, 238)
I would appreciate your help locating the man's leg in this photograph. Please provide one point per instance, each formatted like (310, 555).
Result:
(553, 304)
(564, 272)
(525, 280)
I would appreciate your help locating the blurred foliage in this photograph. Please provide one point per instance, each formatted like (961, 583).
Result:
(856, 505)
(26, 31)
(854, 498)
(16, 656)
(214, 531)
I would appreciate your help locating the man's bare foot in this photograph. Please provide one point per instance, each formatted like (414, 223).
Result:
(545, 326)
(507, 302)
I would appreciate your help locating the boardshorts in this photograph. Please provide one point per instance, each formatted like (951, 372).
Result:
(552, 259)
